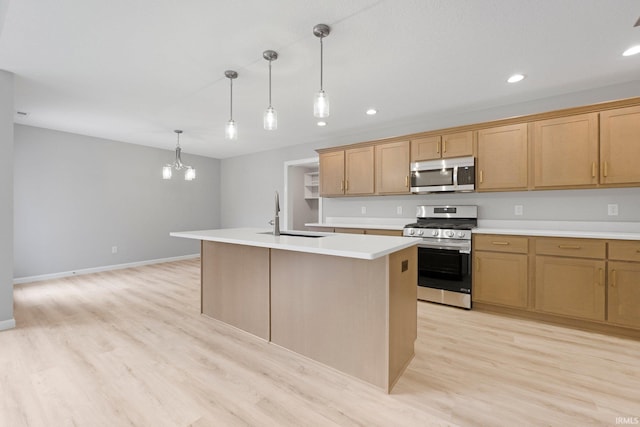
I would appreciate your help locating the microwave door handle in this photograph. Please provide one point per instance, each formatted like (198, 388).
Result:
(455, 176)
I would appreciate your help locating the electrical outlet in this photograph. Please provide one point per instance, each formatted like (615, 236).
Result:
(518, 210)
(399, 210)
(114, 249)
(363, 210)
(612, 210)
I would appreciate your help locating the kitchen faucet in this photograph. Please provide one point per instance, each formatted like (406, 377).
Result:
(276, 220)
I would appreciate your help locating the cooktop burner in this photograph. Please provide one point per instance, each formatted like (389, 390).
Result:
(443, 222)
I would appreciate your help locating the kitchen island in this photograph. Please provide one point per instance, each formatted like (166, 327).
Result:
(347, 301)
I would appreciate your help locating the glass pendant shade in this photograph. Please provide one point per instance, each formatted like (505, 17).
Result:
(166, 172)
(231, 131)
(190, 174)
(321, 104)
(270, 119)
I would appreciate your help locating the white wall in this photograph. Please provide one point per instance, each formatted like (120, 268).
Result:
(77, 196)
(259, 174)
(6, 200)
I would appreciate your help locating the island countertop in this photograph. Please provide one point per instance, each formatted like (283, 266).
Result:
(360, 246)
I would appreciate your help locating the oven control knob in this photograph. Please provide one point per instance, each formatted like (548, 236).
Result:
(449, 233)
(434, 233)
(460, 234)
(420, 232)
(411, 232)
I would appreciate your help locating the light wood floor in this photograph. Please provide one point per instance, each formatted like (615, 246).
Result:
(129, 348)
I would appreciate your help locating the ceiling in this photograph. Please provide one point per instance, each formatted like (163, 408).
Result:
(135, 70)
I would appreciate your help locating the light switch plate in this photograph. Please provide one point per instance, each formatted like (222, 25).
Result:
(363, 210)
(612, 210)
(518, 210)
(399, 210)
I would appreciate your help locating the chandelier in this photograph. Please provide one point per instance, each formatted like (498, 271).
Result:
(189, 173)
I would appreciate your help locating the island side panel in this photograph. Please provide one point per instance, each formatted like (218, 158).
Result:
(235, 286)
(333, 310)
(403, 310)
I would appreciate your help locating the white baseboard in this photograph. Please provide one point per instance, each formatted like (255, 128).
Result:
(29, 279)
(7, 324)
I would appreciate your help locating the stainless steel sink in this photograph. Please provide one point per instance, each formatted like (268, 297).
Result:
(296, 234)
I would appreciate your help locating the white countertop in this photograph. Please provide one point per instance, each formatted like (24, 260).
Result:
(364, 222)
(579, 229)
(360, 246)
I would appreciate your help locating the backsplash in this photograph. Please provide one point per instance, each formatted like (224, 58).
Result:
(550, 205)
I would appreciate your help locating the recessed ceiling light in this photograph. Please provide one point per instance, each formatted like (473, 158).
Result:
(22, 113)
(633, 50)
(322, 123)
(372, 112)
(515, 78)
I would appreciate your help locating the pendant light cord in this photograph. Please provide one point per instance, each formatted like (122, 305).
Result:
(269, 83)
(321, 65)
(231, 99)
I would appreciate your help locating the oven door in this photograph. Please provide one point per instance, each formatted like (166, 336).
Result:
(446, 268)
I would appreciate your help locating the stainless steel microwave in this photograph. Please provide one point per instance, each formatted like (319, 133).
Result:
(432, 176)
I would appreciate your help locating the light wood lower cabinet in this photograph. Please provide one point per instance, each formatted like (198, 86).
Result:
(500, 278)
(570, 287)
(624, 293)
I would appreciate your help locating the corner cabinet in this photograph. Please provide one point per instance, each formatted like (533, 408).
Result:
(500, 270)
(620, 146)
(565, 152)
(502, 158)
(392, 168)
(347, 172)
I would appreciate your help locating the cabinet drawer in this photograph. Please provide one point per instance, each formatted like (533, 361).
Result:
(577, 248)
(624, 250)
(500, 243)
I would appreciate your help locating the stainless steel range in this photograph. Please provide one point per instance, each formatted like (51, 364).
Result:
(444, 255)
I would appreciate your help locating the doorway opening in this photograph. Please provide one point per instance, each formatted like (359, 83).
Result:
(302, 202)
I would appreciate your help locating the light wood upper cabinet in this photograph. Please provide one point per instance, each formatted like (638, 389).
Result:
(441, 147)
(332, 173)
(565, 152)
(620, 146)
(502, 158)
(347, 172)
(359, 171)
(425, 148)
(392, 168)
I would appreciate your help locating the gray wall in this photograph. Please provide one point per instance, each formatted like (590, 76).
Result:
(263, 173)
(6, 200)
(77, 196)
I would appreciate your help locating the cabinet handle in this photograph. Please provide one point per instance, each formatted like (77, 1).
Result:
(438, 147)
(406, 181)
(600, 281)
(481, 176)
(444, 146)
(569, 246)
(606, 169)
(342, 185)
(613, 278)
(593, 170)
(500, 243)
(346, 185)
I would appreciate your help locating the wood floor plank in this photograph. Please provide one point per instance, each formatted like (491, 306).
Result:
(130, 348)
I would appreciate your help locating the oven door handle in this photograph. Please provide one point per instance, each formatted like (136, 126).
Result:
(462, 250)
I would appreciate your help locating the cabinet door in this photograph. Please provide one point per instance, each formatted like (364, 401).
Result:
(566, 151)
(620, 146)
(500, 278)
(392, 168)
(359, 171)
(457, 144)
(502, 158)
(624, 293)
(332, 173)
(425, 148)
(572, 287)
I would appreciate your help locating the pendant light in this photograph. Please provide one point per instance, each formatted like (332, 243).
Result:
(189, 173)
(321, 100)
(231, 131)
(270, 119)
